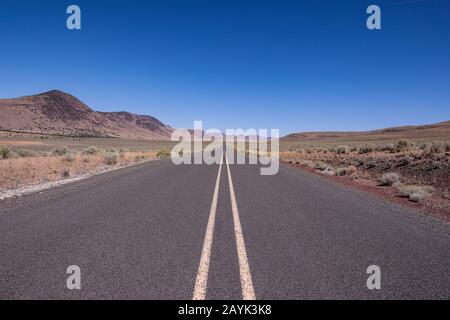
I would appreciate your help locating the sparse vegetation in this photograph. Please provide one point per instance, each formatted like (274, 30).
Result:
(69, 158)
(402, 145)
(389, 179)
(163, 154)
(92, 150)
(415, 193)
(328, 172)
(365, 149)
(11, 155)
(370, 165)
(389, 147)
(60, 151)
(345, 171)
(111, 158)
(45, 159)
(322, 166)
(65, 174)
(342, 149)
(419, 159)
(4, 153)
(27, 153)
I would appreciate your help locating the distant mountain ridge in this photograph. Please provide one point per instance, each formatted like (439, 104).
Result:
(436, 130)
(59, 113)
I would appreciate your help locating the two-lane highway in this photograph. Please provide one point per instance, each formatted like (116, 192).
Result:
(161, 231)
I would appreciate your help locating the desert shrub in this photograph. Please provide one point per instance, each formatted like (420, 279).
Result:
(139, 158)
(307, 163)
(123, 152)
(370, 164)
(322, 166)
(69, 157)
(92, 150)
(111, 158)
(415, 193)
(342, 149)
(354, 149)
(389, 179)
(433, 148)
(405, 161)
(328, 172)
(28, 153)
(365, 149)
(389, 147)
(447, 147)
(65, 174)
(3, 153)
(11, 155)
(402, 145)
(60, 151)
(163, 154)
(344, 171)
(358, 162)
(437, 147)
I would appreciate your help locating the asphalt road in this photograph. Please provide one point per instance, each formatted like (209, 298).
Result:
(160, 231)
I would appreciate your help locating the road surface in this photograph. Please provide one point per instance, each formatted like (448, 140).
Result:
(161, 231)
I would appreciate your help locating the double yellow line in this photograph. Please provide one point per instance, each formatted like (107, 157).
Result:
(248, 293)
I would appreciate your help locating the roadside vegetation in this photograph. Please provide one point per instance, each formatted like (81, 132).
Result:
(29, 162)
(418, 171)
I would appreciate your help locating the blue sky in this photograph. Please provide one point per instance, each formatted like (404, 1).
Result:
(293, 65)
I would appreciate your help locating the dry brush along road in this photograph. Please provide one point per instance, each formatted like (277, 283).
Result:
(161, 231)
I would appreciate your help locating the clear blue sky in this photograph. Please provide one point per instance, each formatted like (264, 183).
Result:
(293, 65)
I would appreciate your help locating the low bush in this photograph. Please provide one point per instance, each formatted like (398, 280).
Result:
(123, 153)
(69, 157)
(342, 149)
(370, 165)
(3, 153)
(163, 154)
(60, 151)
(12, 155)
(92, 150)
(389, 147)
(111, 158)
(345, 171)
(139, 158)
(415, 193)
(328, 172)
(389, 179)
(365, 149)
(28, 153)
(402, 145)
(65, 174)
(322, 166)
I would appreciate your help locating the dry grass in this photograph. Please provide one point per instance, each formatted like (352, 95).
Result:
(16, 172)
(37, 159)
